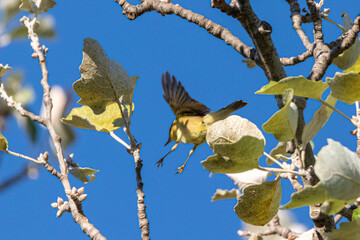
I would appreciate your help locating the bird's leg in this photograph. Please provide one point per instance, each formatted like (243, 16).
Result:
(181, 168)
(160, 162)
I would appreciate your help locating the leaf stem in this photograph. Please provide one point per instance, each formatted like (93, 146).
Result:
(119, 140)
(280, 170)
(273, 159)
(23, 156)
(336, 24)
(336, 110)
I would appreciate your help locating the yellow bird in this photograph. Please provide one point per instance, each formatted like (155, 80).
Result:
(192, 117)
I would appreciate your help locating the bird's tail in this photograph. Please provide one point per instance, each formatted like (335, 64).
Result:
(224, 112)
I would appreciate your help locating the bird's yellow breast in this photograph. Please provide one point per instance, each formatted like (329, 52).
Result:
(188, 129)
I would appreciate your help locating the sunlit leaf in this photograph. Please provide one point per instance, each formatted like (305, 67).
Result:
(283, 123)
(128, 98)
(349, 56)
(224, 194)
(85, 175)
(347, 230)
(3, 143)
(355, 68)
(103, 80)
(321, 116)
(259, 203)
(345, 87)
(302, 87)
(84, 117)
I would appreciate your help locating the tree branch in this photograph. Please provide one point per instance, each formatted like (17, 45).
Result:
(297, 20)
(347, 39)
(132, 12)
(231, 9)
(298, 59)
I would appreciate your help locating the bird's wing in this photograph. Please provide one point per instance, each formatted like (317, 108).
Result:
(179, 99)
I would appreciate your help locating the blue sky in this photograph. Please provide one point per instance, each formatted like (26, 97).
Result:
(178, 207)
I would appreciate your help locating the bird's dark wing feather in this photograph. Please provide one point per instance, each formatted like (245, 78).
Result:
(179, 100)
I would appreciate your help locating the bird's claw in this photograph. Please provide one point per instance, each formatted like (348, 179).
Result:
(180, 169)
(159, 163)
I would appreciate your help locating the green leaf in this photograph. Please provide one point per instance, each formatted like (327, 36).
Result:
(349, 56)
(259, 203)
(339, 169)
(355, 68)
(347, 230)
(85, 174)
(345, 87)
(4, 69)
(283, 123)
(108, 121)
(332, 207)
(237, 143)
(224, 194)
(231, 130)
(103, 80)
(321, 116)
(356, 214)
(302, 87)
(37, 6)
(339, 172)
(3, 143)
(308, 196)
(235, 157)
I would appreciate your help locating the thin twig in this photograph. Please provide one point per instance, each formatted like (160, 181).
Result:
(17, 106)
(335, 23)
(134, 150)
(75, 205)
(273, 159)
(112, 134)
(23, 156)
(347, 39)
(298, 59)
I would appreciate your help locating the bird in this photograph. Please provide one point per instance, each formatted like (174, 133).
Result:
(192, 118)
